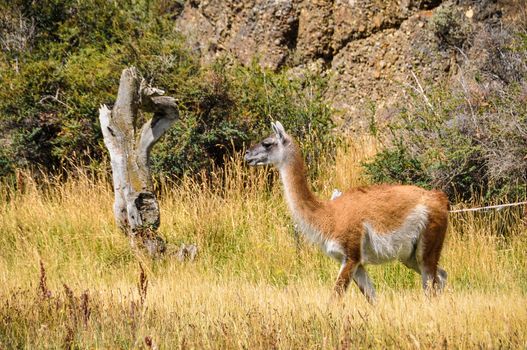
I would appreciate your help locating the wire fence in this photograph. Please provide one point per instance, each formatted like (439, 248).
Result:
(498, 207)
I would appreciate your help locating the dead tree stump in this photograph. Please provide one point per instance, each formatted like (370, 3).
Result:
(135, 207)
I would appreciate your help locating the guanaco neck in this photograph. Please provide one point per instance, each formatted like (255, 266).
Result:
(301, 201)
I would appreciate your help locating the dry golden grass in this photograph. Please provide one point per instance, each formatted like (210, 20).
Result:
(254, 284)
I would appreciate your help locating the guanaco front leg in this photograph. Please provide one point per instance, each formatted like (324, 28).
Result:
(363, 281)
(347, 269)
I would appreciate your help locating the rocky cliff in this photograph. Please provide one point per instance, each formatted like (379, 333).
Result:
(371, 50)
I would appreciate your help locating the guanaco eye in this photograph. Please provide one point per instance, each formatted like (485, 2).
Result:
(267, 144)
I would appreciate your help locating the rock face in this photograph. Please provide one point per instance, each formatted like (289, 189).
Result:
(266, 29)
(369, 48)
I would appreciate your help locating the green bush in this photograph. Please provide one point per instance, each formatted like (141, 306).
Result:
(50, 91)
(67, 59)
(453, 141)
(450, 25)
(397, 165)
(232, 106)
(468, 135)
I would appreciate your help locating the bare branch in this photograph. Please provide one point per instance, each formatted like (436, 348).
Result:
(136, 208)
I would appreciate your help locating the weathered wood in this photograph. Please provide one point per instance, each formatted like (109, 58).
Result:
(136, 209)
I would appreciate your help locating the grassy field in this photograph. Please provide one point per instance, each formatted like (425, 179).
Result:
(255, 284)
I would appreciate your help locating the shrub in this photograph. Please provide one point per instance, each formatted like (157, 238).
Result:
(50, 92)
(397, 165)
(450, 25)
(69, 59)
(469, 135)
(455, 141)
(232, 106)
(458, 144)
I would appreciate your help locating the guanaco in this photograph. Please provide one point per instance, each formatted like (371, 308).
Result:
(365, 225)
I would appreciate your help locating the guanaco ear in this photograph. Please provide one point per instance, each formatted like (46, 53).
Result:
(279, 130)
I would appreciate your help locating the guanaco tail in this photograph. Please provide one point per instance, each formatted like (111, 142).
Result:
(364, 225)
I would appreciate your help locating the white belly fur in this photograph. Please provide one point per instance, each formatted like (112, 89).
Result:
(330, 247)
(399, 244)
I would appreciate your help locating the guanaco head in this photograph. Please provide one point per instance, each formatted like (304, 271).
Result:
(276, 149)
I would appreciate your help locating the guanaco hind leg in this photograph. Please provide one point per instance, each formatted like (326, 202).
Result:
(427, 278)
(441, 278)
(426, 258)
